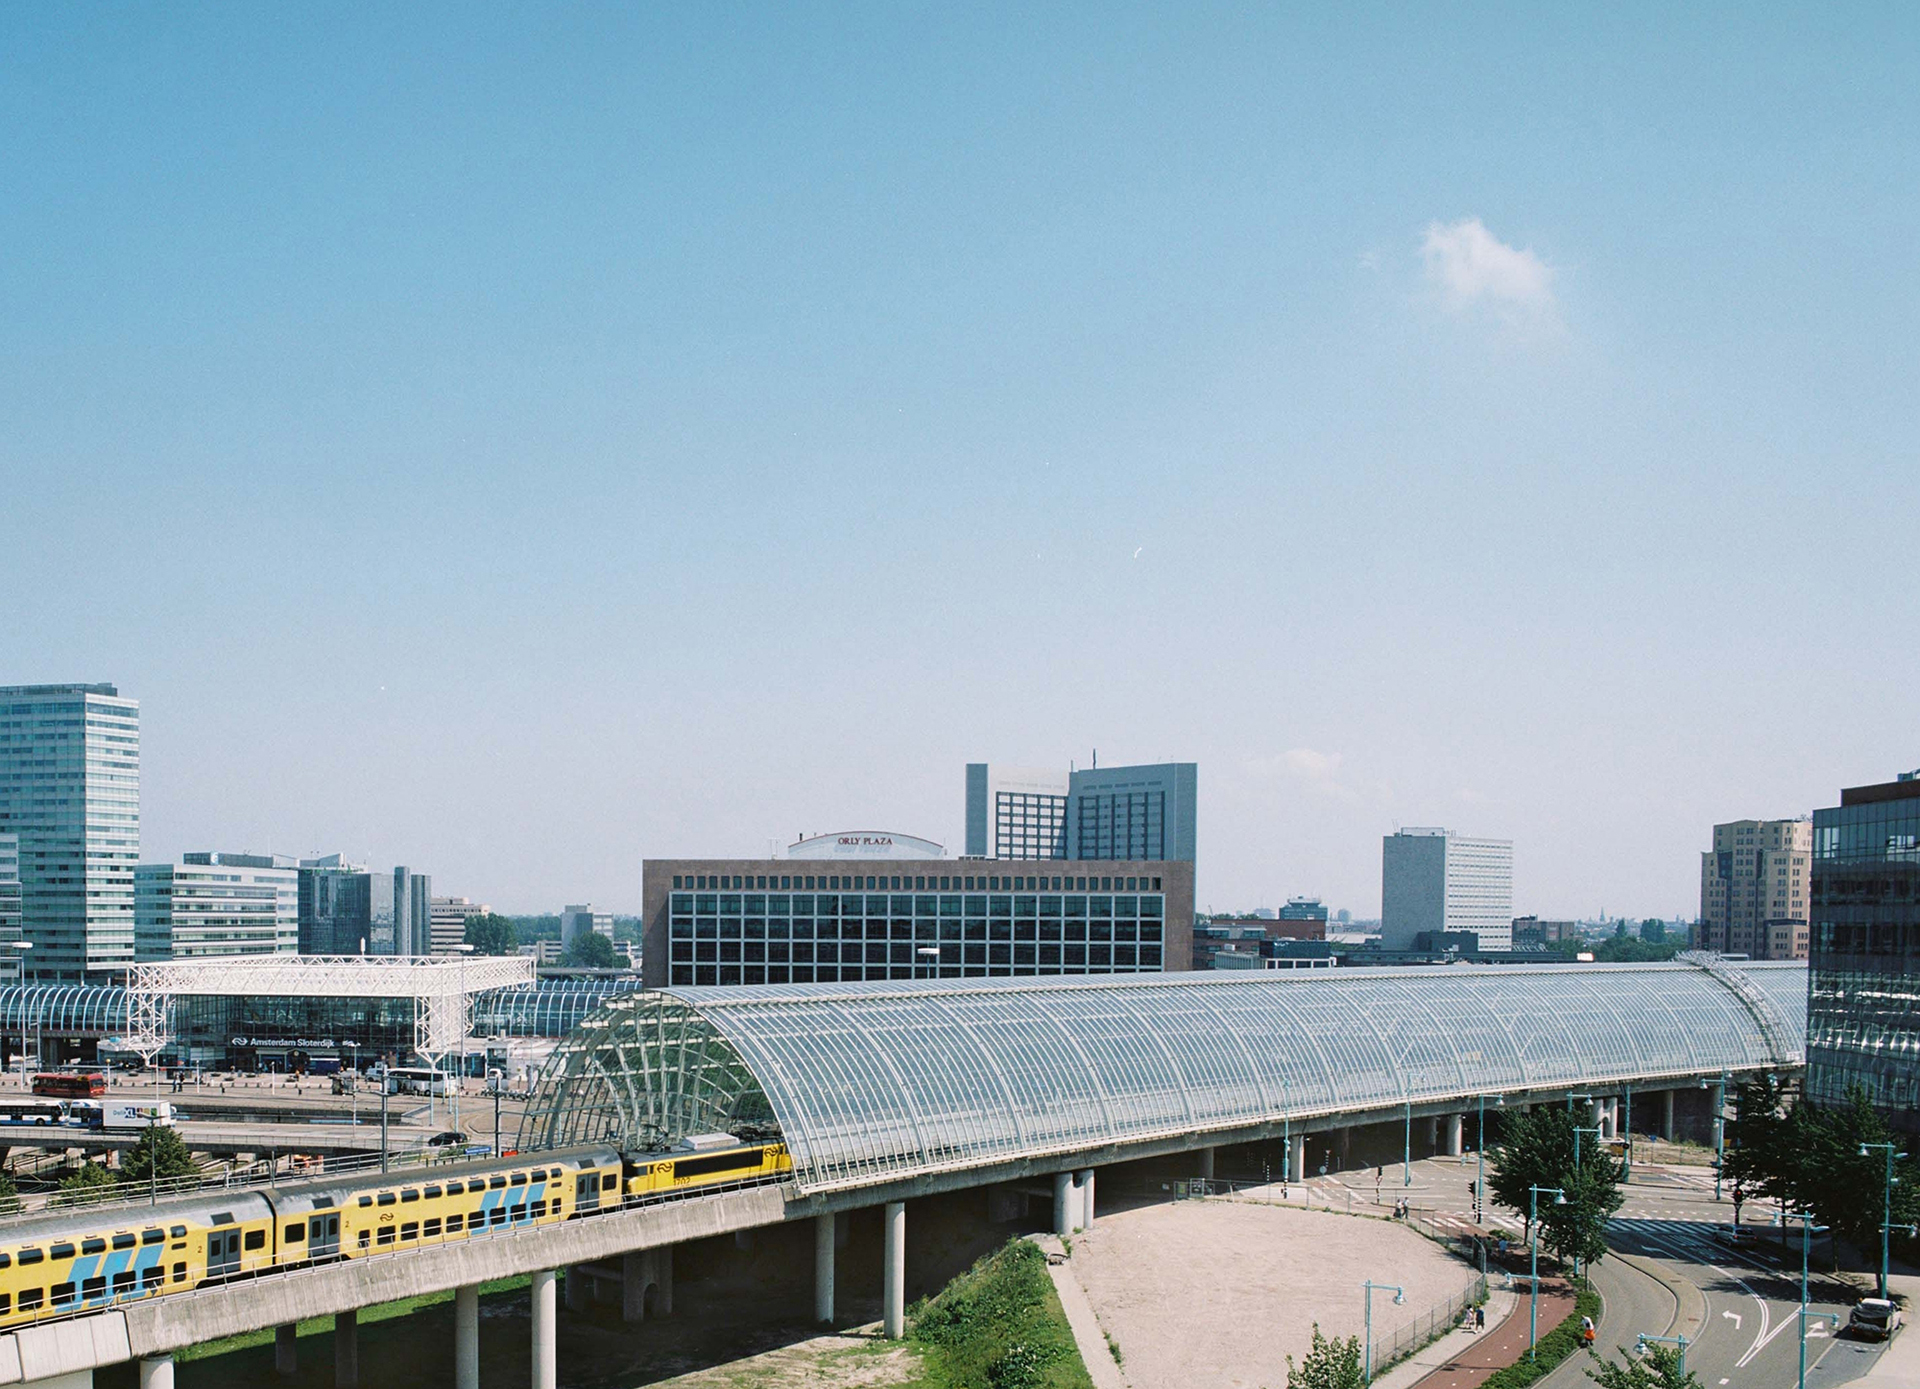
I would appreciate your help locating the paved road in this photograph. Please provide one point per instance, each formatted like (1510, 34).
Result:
(1683, 1272)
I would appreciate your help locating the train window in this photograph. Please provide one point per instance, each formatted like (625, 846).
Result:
(152, 1277)
(608, 1181)
(93, 1246)
(60, 1251)
(127, 1241)
(61, 1294)
(553, 1174)
(430, 1193)
(496, 1183)
(256, 1239)
(385, 1198)
(123, 1281)
(295, 1233)
(366, 1200)
(224, 1218)
(6, 1260)
(178, 1232)
(31, 1256)
(454, 1222)
(476, 1222)
(93, 1287)
(30, 1299)
(6, 1303)
(430, 1229)
(455, 1188)
(517, 1179)
(539, 1209)
(409, 1194)
(179, 1273)
(386, 1234)
(499, 1215)
(411, 1230)
(363, 1239)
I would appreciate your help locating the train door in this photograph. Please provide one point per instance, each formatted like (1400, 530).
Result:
(586, 1193)
(323, 1234)
(223, 1252)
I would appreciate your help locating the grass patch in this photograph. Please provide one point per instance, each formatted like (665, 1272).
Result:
(1554, 1347)
(318, 1326)
(998, 1325)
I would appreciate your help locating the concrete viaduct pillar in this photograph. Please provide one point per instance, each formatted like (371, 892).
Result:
(1086, 1197)
(346, 1350)
(1205, 1156)
(823, 1268)
(1063, 1204)
(286, 1352)
(579, 1289)
(466, 1337)
(1433, 1133)
(639, 1271)
(1456, 1135)
(156, 1372)
(894, 1291)
(1297, 1159)
(546, 1359)
(1666, 1115)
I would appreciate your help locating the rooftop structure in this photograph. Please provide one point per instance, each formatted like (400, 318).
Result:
(875, 1082)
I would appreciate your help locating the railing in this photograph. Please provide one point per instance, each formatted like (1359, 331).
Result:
(315, 1269)
(1431, 1324)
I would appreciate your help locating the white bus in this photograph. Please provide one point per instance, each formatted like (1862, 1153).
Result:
(417, 1080)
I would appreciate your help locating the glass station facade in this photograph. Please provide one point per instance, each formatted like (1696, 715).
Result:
(726, 937)
(1863, 1005)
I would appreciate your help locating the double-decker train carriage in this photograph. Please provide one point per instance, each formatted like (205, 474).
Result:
(79, 1260)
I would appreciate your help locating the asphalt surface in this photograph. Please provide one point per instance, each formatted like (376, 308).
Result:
(1679, 1270)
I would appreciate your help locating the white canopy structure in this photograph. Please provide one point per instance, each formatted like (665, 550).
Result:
(442, 989)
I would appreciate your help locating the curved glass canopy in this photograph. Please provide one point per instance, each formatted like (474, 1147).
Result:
(877, 1081)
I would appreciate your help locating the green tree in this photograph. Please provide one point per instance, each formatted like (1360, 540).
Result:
(1765, 1144)
(1329, 1364)
(1578, 1230)
(1659, 1368)
(492, 934)
(591, 950)
(1534, 1149)
(9, 1195)
(1537, 1149)
(1844, 1188)
(160, 1152)
(90, 1183)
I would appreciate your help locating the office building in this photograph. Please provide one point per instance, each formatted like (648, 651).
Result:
(402, 914)
(1532, 933)
(12, 962)
(70, 791)
(1434, 882)
(450, 916)
(1754, 886)
(576, 922)
(1863, 1001)
(216, 904)
(336, 906)
(1145, 813)
(1305, 909)
(756, 921)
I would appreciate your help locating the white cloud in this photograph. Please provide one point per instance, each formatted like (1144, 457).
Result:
(1320, 770)
(1470, 265)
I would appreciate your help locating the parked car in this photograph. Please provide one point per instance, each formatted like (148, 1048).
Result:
(1873, 1319)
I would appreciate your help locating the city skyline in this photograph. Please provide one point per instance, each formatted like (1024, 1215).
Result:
(552, 441)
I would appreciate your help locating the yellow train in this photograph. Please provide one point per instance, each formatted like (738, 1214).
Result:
(66, 1262)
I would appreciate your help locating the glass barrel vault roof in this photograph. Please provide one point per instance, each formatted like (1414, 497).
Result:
(870, 1082)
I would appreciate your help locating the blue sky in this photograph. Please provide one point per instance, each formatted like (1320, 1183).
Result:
(515, 441)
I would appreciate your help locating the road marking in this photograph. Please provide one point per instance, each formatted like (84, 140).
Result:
(1733, 1317)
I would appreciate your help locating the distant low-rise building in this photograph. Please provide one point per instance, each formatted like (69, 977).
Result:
(216, 904)
(579, 921)
(1536, 933)
(449, 917)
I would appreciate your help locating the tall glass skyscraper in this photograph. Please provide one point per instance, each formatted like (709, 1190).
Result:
(70, 790)
(1863, 1001)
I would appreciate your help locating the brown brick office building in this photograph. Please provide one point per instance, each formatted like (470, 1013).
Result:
(805, 921)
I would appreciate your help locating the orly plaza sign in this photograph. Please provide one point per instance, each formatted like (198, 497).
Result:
(865, 844)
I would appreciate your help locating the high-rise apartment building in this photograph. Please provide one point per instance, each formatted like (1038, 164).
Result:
(11, 963)
(577, 921)
(70, 792)
(450, 916)
(1433, 881)
(1863, 999)
(216, 904)
(1144, 813)
(1754, 889)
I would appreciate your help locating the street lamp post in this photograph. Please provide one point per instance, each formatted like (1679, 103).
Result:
(1681, 1341)
(1480, 1179)
(1719, 1089)
(1406, 1167)
(1626, 1165)
(1533, 1279)
(1399, 1296)
(1887, 1227)
(1597, 1135)
(23, 946)
(923, 954)
(1807, 1228)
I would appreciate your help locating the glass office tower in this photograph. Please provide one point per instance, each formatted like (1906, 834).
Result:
(1863, 1002)
(70, 790)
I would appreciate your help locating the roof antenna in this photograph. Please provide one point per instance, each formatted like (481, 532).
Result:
(1096, 759)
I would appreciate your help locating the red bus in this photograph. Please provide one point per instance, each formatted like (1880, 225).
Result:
(73, 1085)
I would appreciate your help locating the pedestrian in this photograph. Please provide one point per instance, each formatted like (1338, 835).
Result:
(1479, 1319)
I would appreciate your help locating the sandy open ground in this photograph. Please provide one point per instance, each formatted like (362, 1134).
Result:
(1200, 1294)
